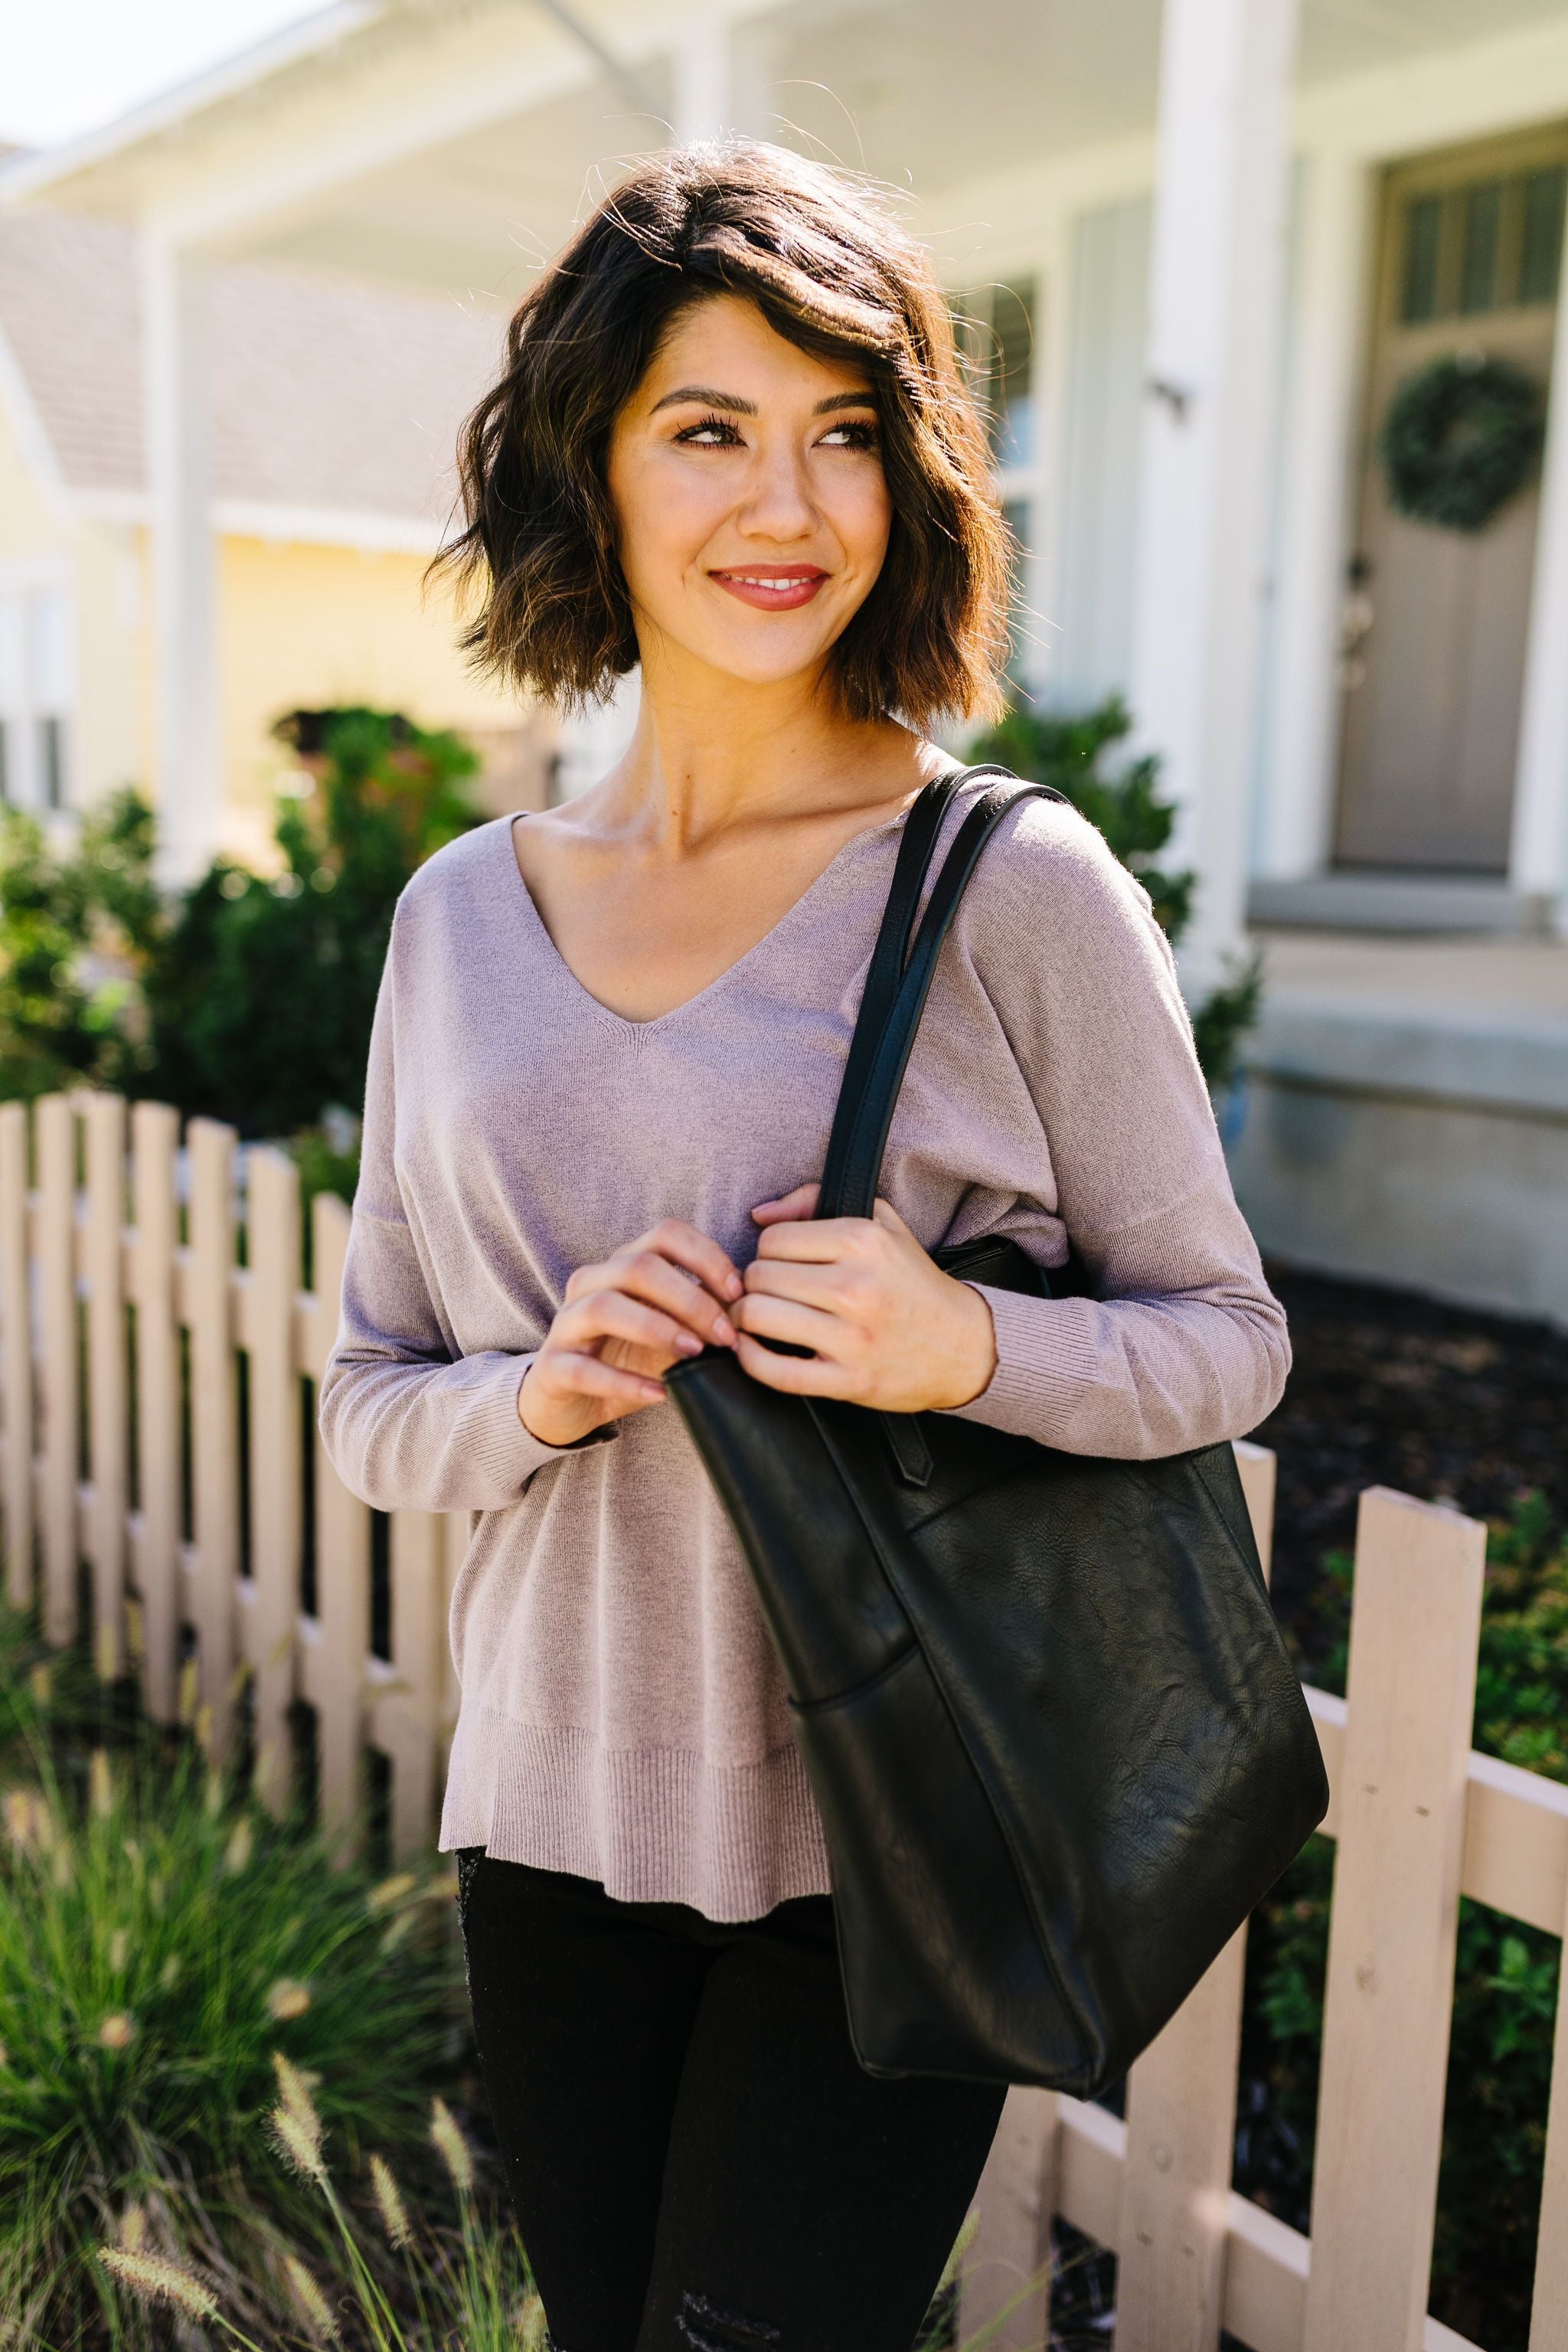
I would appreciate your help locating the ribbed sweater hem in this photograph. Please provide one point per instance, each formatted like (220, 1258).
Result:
(650, 1824)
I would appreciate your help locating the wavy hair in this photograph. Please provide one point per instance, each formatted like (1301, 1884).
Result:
(832, 272)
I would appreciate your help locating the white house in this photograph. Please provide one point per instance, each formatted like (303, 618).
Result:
(1210, 240)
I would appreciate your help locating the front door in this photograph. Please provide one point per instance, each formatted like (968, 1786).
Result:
(1435, 621)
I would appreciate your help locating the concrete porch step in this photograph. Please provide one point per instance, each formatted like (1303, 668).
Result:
(1398, 902)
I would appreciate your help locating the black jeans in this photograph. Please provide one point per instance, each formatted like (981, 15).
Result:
(698, 2162)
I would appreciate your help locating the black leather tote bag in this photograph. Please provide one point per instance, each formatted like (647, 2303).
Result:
(1050, 1725)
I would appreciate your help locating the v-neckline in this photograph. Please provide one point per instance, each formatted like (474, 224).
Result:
(721, 980)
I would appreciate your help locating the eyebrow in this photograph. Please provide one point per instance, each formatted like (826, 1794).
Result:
(712, 399)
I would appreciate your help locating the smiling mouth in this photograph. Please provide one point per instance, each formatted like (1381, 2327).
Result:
(772, 587)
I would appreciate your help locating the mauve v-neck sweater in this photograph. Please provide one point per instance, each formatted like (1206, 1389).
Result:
(622, 1715)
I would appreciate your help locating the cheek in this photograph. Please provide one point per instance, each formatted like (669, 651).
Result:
(865, 518)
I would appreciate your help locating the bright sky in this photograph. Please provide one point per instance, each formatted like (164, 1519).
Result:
(70, 65)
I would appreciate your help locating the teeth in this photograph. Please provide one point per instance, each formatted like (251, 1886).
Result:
(748, 581)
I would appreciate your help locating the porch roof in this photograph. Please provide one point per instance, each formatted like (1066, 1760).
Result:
(446, 145)
(341, 399)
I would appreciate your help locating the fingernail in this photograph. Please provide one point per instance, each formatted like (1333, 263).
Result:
(723, 1330)
(689, 1343)
(733, 1286)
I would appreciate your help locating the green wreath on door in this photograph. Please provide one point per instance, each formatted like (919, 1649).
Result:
(1461, 437)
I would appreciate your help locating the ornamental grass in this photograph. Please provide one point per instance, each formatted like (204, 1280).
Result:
(169, 1956)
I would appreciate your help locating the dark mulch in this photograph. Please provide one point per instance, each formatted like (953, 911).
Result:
(1392, 1390)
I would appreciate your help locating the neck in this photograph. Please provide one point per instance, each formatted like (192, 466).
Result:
(712, 752)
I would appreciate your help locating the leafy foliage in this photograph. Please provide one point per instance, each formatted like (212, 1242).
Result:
(1505, 1994)
(75, 927)
(260, 998)
(247, 998)
(160, 1939)
(1069, 752)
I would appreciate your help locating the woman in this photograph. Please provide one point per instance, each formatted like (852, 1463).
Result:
(731, 444)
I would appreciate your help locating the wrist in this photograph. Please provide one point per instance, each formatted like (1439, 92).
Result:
(975, 1367)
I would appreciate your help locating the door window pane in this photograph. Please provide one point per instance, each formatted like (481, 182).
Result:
(1477, 274)
(1542, 259)
(1423, 229)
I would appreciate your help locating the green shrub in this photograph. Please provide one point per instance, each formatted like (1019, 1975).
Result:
(162, 1941)
(1069, 752)
(260, 995)
(244, 998)
(1505, 1991)
(75, 929)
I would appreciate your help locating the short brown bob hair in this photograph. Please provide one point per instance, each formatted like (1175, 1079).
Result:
(830, 270)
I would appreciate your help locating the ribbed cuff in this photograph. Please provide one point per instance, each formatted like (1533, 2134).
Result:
(498, 1440)
(1046, 1358)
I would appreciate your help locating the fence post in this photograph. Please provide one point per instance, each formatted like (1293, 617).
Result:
(1415, 1627)
(272, 1229)
(1006, 2280)
(215, 1419)
(60, 1383)
(17, 1337)
(1180, 2120)
(1549, 2304)
(342, 1565)
(108, 1402)
(155, 1142)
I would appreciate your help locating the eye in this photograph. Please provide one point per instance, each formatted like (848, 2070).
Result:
(856, 433)
(709, 433)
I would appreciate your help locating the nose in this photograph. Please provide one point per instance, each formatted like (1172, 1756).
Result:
(778, 504)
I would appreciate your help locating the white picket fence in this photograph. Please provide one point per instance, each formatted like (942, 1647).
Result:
(159, 1467)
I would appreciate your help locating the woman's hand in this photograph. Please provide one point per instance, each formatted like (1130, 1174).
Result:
(657, 1299)
(886, 1327)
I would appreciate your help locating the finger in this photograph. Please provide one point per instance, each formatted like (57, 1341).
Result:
(813, 1283)
(573, 1375)
(674, 1239)
(763, 1318)
(649, 1276)
(801, 1203)
(795, 1375)
(817, 1242)
(611, 1315)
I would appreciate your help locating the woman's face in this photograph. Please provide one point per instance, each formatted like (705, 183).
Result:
(746, 478)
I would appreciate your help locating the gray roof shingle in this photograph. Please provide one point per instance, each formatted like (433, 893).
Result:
(325, 392)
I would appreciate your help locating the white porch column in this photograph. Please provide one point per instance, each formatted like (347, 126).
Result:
(177, 427)
(703, 102)
(1216, 281)
(1318, 490)
(1538, 861)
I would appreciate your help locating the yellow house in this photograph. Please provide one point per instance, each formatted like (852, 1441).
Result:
(334, 418)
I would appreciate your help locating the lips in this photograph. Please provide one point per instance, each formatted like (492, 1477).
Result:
(772, 587)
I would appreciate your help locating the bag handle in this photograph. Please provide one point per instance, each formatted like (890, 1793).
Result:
(899, 977)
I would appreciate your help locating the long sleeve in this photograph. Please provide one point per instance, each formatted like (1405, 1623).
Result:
(407, 1420)
(1182, 1343)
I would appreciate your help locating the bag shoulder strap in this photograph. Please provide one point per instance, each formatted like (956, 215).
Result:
(899, 980)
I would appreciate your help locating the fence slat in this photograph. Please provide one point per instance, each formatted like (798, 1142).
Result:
(1180, 2118)
(272, 1230)
(215, 1419)
(1549, 2303)
(154, 1144)
(103, 1119)
(342, 1565)
(59, 1373)
(16, 1340)
(1006, 2280)
(418, 1540)
(1415, 1629)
